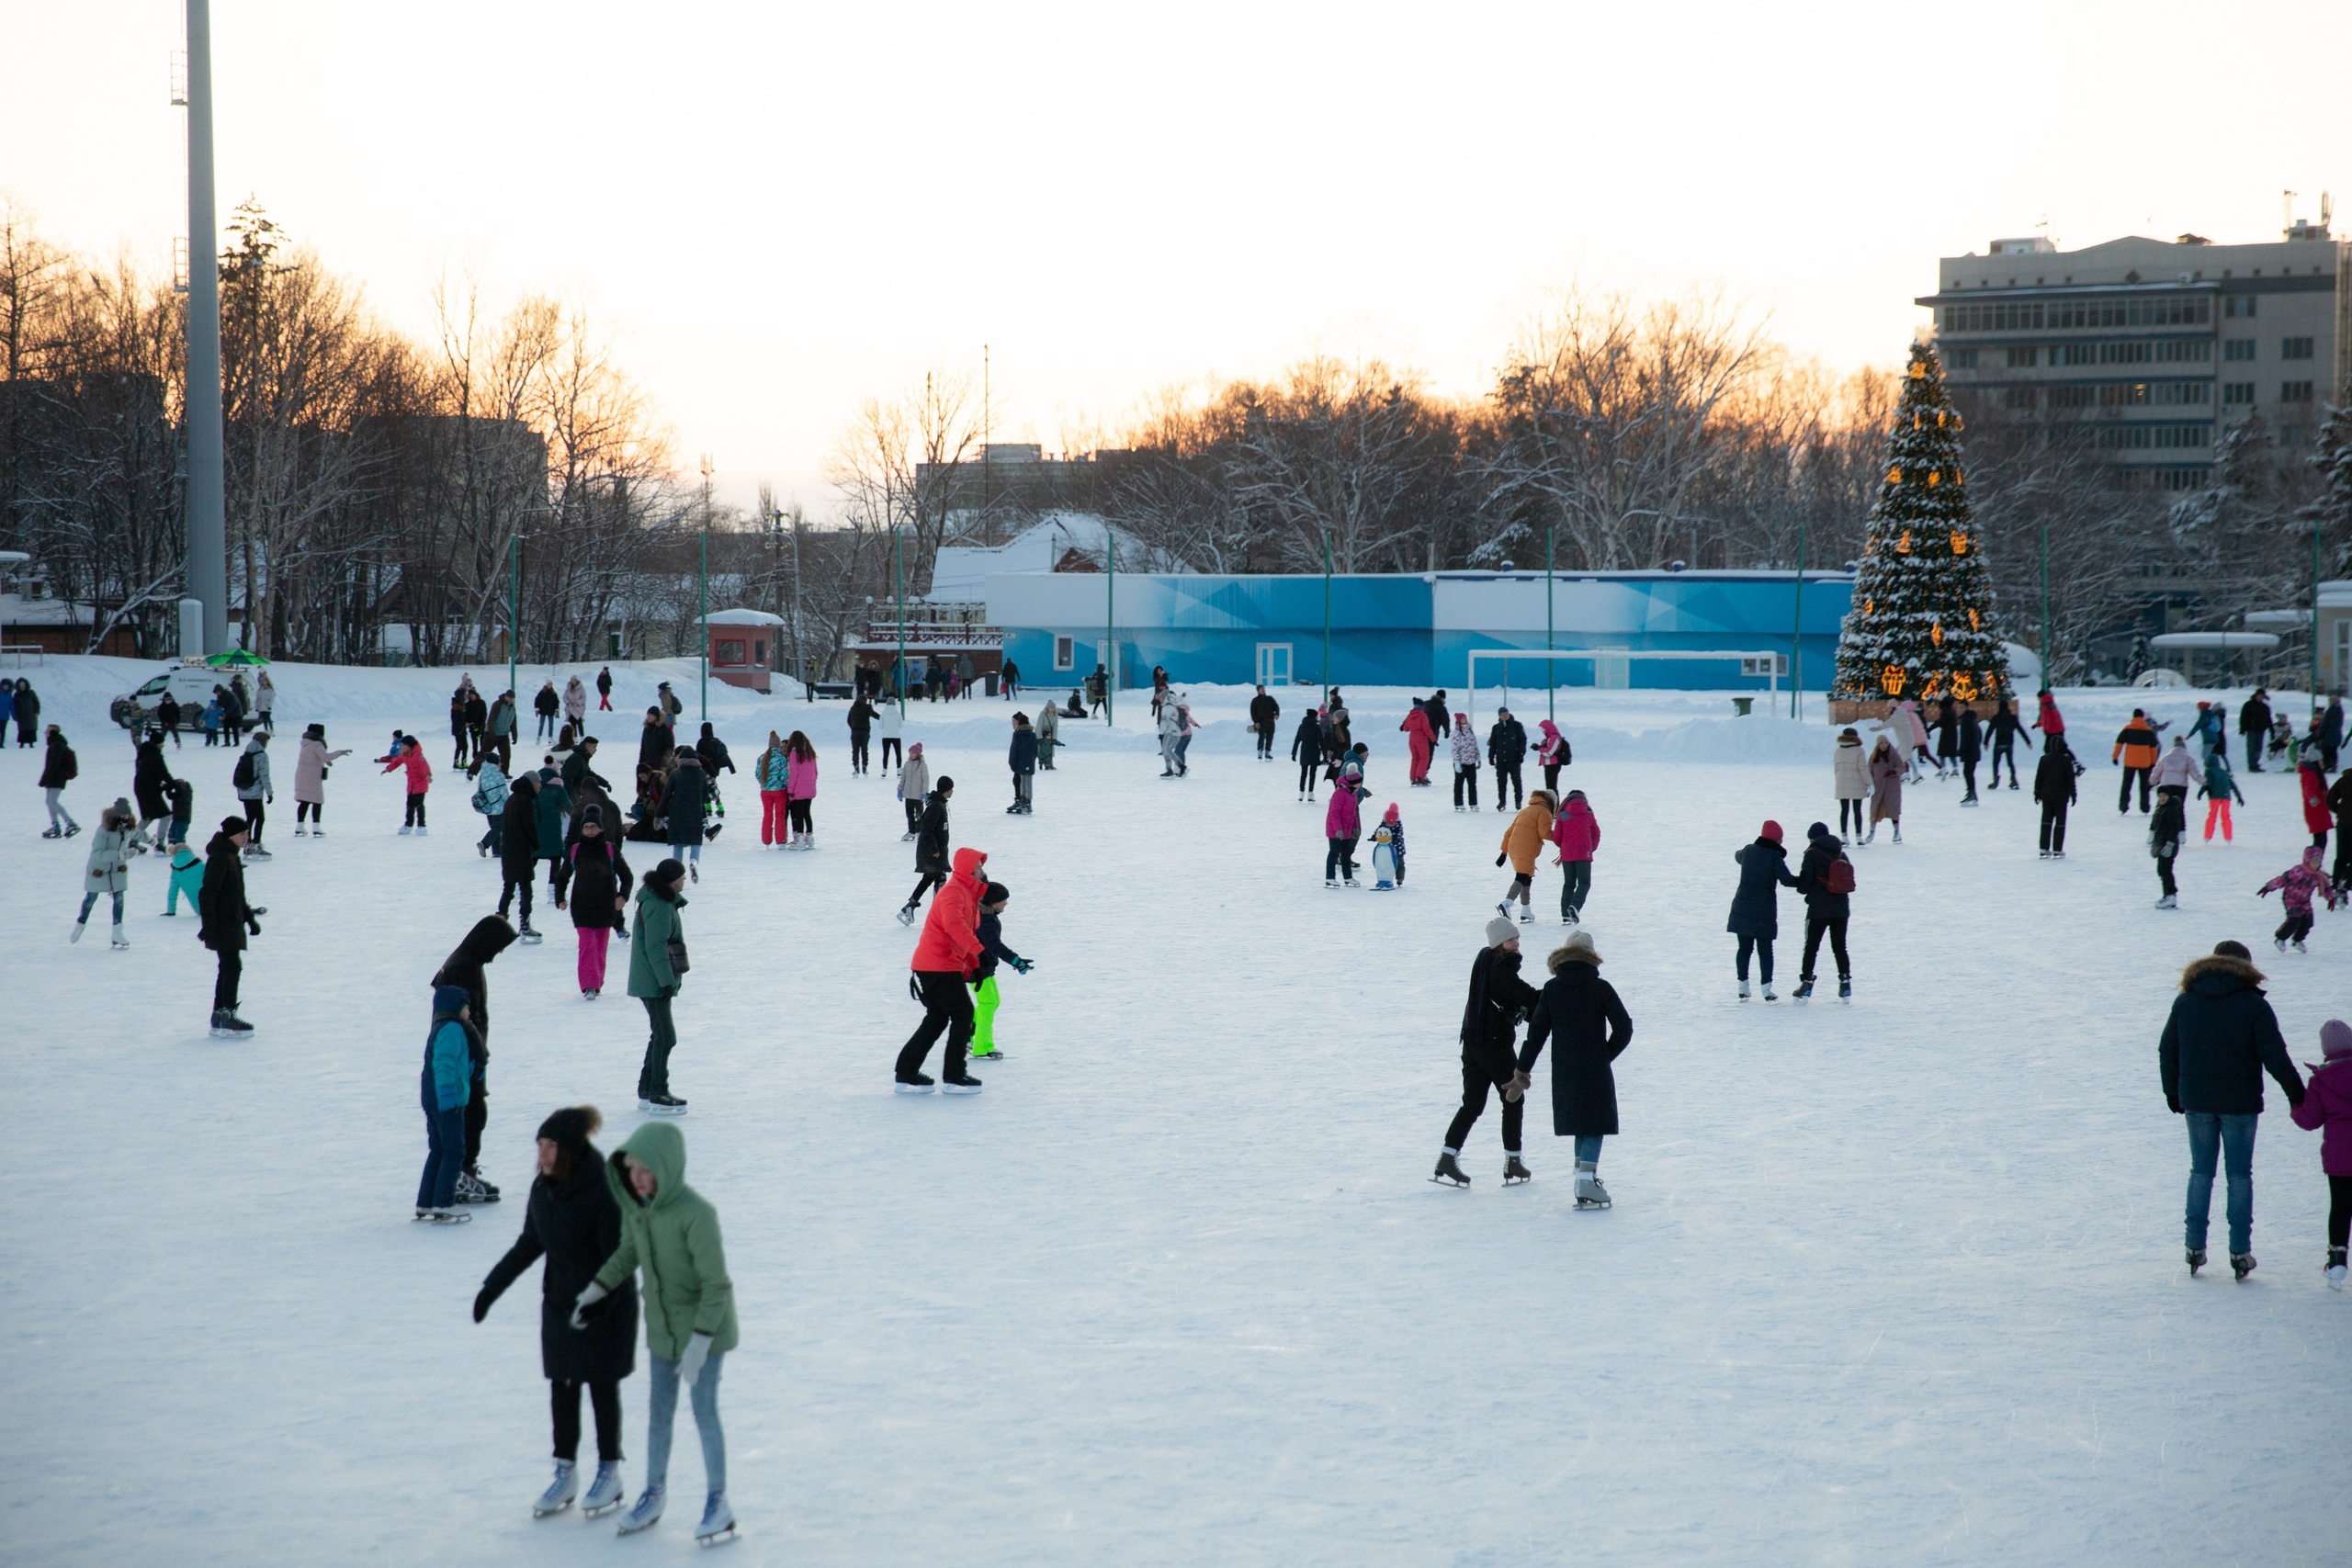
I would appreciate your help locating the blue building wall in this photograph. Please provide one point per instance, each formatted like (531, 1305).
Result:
(1418, 630)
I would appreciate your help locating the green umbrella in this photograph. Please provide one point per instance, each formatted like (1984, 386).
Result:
(235, 657)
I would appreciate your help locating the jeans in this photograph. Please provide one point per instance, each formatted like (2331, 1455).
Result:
(1762, 947)
(57, 808)
(1020, 789)
(1576, 886)
(653, 1077)
(2004, 751)
(1588, 1148)
(445, 1137)
(1183, 744)
(687, 852)
(662, 1410)
(90, 901)
(1340, 857)
(2254, 753)
(2230, 1137)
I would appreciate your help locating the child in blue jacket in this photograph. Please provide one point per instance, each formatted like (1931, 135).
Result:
(984, 992)
(444, 1086)
(187, 877)
(2221, 785)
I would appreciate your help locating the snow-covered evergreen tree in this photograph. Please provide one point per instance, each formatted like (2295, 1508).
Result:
(1921, 624)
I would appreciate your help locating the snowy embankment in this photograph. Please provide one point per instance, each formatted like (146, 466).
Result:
(1898, 1283)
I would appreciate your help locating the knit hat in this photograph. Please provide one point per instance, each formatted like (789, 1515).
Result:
(233, 824)
(1501, 931)
(591, 814)
(1771, 831)
(1577, 949)
(2231, 949)
(1390, 814)
(450, 1000)
(914, 750)
(670, 873)
(2336, 1039)
(1818, 830)
(316, 732)
(572, 1127)
(994, 893)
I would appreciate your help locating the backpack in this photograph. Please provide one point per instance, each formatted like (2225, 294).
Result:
(1839, 877)
(243, 777)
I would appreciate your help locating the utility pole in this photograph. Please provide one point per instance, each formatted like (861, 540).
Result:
(1109, 625)
(799, 659)
(513, 614)
(703, 573)
(1327, 614)
(1797, 636)
(988, 527)
(207, 571)
(2315, 616)
(1551, 684)
(898, 569)
(2045, 606)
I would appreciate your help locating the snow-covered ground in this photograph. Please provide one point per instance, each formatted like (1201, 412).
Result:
(1898, 1283)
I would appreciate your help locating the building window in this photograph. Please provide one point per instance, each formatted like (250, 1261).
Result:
(2184, 391)
(1961, 359)
(2294, 391)
(2026, 358)
(2179, 479)
(2294, 348)
(2239, 305)
(2131, 394)
(2154, 437)
(1065, 653)
(2016, 397)
(2197, 352)
(2233, 392)
(2177, 310)
(2073, 396)
(2238, 350)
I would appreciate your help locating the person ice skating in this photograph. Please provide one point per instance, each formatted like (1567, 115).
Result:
(1009, 682)
(58, 768)
(985, 994)
(1507, 749)
(1171, 727)
(1522, 843)
(518, 849)
(1968, 747)
(26, 710)
(168, 717)
(670, 1235)
(182, 798)
(2219, 786)
(1911, 733)
(655, 740)
(311, 766)
(944, 961)
(1755, 907)
(2219, 1039)
(1049, 735)
(2296, 886)
(1264, 713)
(107, 869)
(2166, 831)
(1420, 743)
(209, 720)
(772, 772)
(1463, 746)
(1022, 757)
(657, 944)
(2048, 719)
(252, 781)
(1576, 835)
(467, 968)
(1342, 826)
(2003, 730)
(605, 689)
(187, 880)
(2326, 1109)
(1586, 1023)
(491, 792)
(547, 705)
(1826, 879)
(226, 921)
(914, 783)
(265, 703)
(1499, 1000)
(460, 721)
(503, 728)
(715, 760)
(799, 792)
(410, 760)
(2339, 805)
(1389, 836)
(572, 1220)
(575, 704)
(1551, 753)
(1887, 769)
(444, 1086)
(2054, 789)
(2254, 726)
(2317, 816)
(1850, 774)
(891, 722)
(596, 887)
(2331, 733)
(151, 786)
(1186, 727)
(931, 865)
(1306, 751)
(8, 705)
(2136, 753)
(1947, 728)
(861, 728)
(683, 802)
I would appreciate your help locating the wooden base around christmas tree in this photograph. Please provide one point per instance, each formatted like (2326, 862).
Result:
(1844, 711)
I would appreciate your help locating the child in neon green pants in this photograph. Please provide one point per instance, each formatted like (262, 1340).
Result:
(984, 990)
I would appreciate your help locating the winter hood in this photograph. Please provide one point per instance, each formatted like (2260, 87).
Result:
(2218, 975)
(661, 1148)
(969, 862)
(490, 936)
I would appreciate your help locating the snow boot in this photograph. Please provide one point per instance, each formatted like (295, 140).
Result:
(1449, 1171)
(968, 1084)
(1515, 1171)
(560, 1492)
(2241, 1264)
(605, 1493)
(1590, 1193)
(2195, 1260)
(645, 1515)
(920, 1083)
(717, 1521)
(2335, 1270)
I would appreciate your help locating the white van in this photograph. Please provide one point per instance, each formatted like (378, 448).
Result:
(190, 685)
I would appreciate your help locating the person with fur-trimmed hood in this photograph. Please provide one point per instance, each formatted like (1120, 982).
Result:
(572, 1220)
(2220, 1040)
(1499, 999)
(1582, 1016)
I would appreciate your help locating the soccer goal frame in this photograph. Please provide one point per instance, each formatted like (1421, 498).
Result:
(1772, 659)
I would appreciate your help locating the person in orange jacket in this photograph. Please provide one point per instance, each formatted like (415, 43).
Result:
(946, 958)
(1523, 840)
(2136, 752)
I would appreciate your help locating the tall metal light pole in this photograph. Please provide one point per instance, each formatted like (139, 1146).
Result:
(2315, 616)
(208, 534)
(898, 572)
(704, 573)
(1110, 627)
(2045, 605)
(1796, 634)
(1327, 614)
(514, 615)
(1550, 709)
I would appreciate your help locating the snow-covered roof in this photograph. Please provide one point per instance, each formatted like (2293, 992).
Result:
(961, 574)
(741, 618)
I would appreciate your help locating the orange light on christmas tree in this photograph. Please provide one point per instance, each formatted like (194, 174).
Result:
(1935, 477)
(1895, 475)
(1892, 679)
(1936, 634)
(1964, 685)
(1903, 545)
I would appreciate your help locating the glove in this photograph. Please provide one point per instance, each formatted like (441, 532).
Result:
(2174, 1101)
(253, 927)
(1518, 1087)
(1024, 964)
(1502, 857)
(690, 1364)
(482, 1304)
(582, 1309)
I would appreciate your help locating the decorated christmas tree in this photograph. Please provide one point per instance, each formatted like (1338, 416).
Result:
(1921, 624)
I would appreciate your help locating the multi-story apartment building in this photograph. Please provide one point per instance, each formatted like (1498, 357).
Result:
(2156, 343)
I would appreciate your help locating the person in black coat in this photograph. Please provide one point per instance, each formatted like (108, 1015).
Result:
(151, 785)
(1022, 757)
(1264, 712)
(226, 919)
(465, 967)
(1499, 1000)
(1306, 751)
(27, 711)
(572, 1220)
(931, 867)
(1441, 717)
(1507, 749)
(2339, 801)
(1582, 1016)
(1971, 748)
(2219, 1039)
(1755, 907)
(1946, 735)
(593, 879)
(655, 744)
(518, 848)
(2002, 729)
(684, 799)
(1825, 911)
(2253, 723)
(2053, 786)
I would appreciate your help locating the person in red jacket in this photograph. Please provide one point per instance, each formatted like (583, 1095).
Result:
(945, 959)
(1423, 742)
(411, 757)
(2317, 817)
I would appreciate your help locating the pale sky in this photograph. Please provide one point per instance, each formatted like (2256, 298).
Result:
(787, 209)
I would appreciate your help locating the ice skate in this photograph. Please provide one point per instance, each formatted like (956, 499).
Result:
(660, 1105)
(469, 1190)
(920, 1083)
(693, 871)
(2335, 1269)
(81, 928)
(1590, 1193)
(528, 937)
(1330, 882)
(1570, 918)
(905, 913)
(302, 831)
(255, 852)
(2280, 942)
(2241, 1264)
(2195, 1260)
(968, 1084)
(906, 838)
(645, 1515)
(560, 1492)
(1743, 990)
(406, 830)
(2299, 944)
(449, 1217)
(420, 830)
(1351, 881)
(2045, 854)
(60, 832)
(2169, 901)
(2057, 854)
(1515, 1171)
(1845, 990)
(121, 944)
(605, 1493)
(1898, 832)
(227, 1025)
(1769, 993)
(1449, 1171)
(1503, 909)
(1803, 993)
(717, 1521)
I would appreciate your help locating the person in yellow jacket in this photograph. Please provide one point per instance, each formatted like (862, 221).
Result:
(1523, 840)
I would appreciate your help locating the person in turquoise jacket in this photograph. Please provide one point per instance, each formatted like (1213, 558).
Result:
(669, 1233)
(445, 1085)
(188, 878)
(2221, 786)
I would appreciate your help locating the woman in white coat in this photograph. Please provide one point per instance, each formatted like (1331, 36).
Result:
(109, 855)
(1851, 769)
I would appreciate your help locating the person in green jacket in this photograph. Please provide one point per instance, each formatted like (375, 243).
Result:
(653, 980)
(670, 1232)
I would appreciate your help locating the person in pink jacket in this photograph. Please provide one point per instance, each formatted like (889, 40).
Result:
(1576, 833)
(799, 791)
(1342, 827)
(1423, 742)
(420, 779)
(1551, 755)
(2328, 1110)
